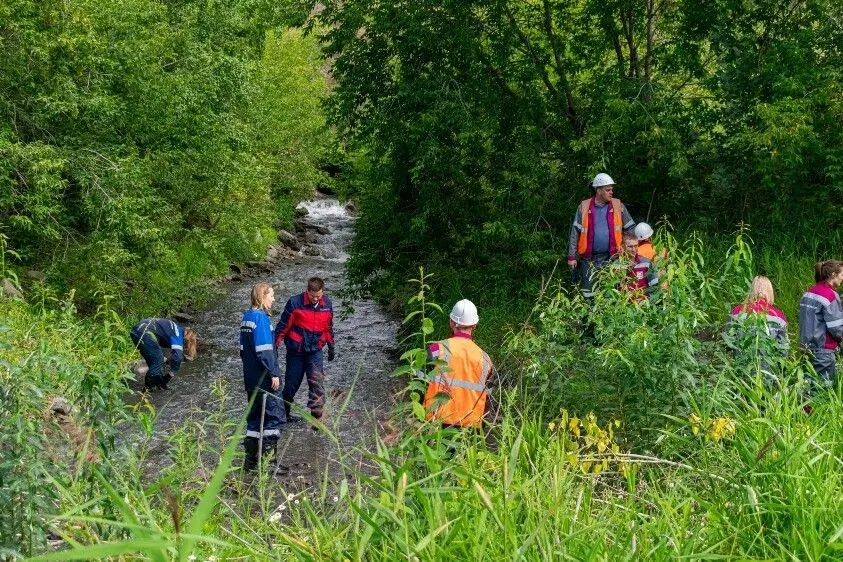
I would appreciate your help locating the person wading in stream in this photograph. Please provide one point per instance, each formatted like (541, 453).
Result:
(457, 392)
(151, 336)
(306, 326)
(261, 377)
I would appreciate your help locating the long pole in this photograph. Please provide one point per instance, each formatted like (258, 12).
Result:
(263, 414)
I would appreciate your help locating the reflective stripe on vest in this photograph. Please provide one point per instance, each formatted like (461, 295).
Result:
(584, 242)
(456, 394)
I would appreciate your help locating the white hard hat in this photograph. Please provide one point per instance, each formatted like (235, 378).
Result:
(643, 231)
(602, 180)
(464, 313)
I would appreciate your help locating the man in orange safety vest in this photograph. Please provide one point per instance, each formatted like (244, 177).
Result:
(597, 231)
(457, 391)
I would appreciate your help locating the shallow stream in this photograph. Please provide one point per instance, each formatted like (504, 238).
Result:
(358, 383)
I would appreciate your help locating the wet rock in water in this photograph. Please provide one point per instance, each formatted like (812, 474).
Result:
(300, 212)
(183, 317)
(235, 268)
(302, 226)
(37, 275)
(273, 253)
(351, 207)
(289, 240)
(9, 290)
(260, 265)
(236, 278)
(310, 238)
(312, 251)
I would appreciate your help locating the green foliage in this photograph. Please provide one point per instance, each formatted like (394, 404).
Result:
(139, 134)
(737, 471)
(481, 122)
(49, 354)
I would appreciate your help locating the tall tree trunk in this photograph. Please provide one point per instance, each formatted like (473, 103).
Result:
(651, 34)
(629, 34)
(573, 117)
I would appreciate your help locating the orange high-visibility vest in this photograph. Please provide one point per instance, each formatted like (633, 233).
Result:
(583, 248)
(456, 394)
(647, 250)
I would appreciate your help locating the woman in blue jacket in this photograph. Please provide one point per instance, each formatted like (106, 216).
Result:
(261, 376)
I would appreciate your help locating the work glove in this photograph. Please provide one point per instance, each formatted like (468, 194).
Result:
(331, 353)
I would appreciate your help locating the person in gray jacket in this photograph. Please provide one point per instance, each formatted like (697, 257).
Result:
(596, 232)
(821, 322)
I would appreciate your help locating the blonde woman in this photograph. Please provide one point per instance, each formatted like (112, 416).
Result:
(757, 326)
(261, 376)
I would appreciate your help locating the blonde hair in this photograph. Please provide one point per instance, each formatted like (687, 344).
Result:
(189, 344)
(259, 293)
(761, 288)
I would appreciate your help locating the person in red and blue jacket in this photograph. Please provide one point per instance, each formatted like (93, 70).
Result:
(306, 326)
(757, 329)
(261, 375)
(821, 322)
(642, 279)
(151, 336)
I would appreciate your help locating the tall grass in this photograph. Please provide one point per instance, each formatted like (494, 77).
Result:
(645, 440)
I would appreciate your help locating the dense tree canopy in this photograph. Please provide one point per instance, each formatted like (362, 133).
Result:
(142, 129)
(483, 120)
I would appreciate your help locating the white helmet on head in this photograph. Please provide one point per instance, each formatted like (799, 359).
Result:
(602, 180)
(464, 313)
(643, 231)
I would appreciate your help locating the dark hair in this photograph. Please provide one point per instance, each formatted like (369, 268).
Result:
(825, 270)
(629, 235)
(315, 284)
(591, 188)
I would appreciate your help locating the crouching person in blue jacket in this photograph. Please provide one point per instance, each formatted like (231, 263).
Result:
(261, 376)
(151, 336)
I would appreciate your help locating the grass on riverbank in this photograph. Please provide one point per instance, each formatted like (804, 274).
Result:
(645, 440)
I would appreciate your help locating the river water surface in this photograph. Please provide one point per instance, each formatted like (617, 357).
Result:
(358, 383)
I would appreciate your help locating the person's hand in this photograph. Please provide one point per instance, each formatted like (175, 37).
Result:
(331, 354)
(572, 264)
(276, 383)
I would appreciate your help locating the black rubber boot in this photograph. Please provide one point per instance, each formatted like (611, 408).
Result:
(164, 380)
(269, 451)
(250, 444)
(150, 383)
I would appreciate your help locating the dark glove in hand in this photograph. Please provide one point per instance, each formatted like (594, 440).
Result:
(330, 354)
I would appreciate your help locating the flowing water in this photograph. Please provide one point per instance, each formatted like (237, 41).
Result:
(358, 383)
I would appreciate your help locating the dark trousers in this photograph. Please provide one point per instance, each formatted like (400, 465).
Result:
(588, 269)
(825, 364)
(299, 365)
(273, 418)
(147, 344)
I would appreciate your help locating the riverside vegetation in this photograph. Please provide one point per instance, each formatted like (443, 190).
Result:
(145, 146)
(674, 450)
